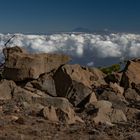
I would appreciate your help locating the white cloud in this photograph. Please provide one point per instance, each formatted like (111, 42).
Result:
(78, 45)
(90, 64)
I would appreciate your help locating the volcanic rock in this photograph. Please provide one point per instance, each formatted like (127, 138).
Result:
(97, 77)
(75, 73)
(117, 115)
(113, 77)
(136, 87)
(92, 98)
(21, 66)
(134, 136)
(75, 83)
(23, 95)
(103, 104)
(104, 108)
(45, 83)
(32, 108)
(6, 89)
(50, 114)
(48, 99)
(131, 94)
(117, 89)
(118, 102)
(132, 113)
(131, 73)
(106, 114)
(7, 51)
(59, 108)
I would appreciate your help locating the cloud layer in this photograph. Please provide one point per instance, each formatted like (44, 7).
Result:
(79, 45)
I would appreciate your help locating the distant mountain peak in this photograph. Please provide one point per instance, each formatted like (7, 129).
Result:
(86, 30)
(82, 29)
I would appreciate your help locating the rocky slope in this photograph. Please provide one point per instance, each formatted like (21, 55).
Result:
(42, 97)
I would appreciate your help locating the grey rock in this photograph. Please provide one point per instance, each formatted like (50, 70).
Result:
(45, 83)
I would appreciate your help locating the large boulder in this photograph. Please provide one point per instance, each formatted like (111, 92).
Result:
(75, 73)
(20, 65)
(73, 82)
(131, 73)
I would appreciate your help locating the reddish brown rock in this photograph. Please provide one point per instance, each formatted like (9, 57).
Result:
(73, 82)
(118, 101)
(132, 113)
(117, 89)
(106, 114)
(131, 73)
(50, 114)
(117, 115)
(134, 136)
(59, 109)
(97, 77)
(131, 94)
(23, 95)
(76, 73)
(16, 49)
(21, 66)
(6, 89)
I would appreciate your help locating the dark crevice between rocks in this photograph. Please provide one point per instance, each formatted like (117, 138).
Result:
(84, 102)
(59, 80)
(23, 82)
(124, 81)
(111, 78)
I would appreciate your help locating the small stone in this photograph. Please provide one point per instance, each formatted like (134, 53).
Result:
(92, 98)
(20, 120)
(50, 114)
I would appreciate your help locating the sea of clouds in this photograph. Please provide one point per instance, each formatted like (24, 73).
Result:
(82, 47)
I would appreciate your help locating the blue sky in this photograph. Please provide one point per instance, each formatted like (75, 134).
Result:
(42, 16)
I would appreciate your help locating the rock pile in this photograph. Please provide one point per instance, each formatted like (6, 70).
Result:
(40, 95)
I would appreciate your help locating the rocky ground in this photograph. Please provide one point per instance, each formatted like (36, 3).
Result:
(44, 98)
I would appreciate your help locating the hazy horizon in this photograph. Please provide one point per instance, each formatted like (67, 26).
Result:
(48, 16)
